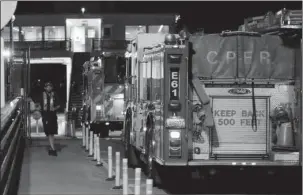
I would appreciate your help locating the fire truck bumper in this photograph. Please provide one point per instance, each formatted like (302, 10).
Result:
(260, 169)
(107, 125)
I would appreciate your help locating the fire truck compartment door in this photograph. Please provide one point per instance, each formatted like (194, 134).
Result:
(227, 57)
(233, 133)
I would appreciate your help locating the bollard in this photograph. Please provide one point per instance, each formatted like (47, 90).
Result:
(117, 176)
(137, 181)
(99, 163)
(149, 186)
(37, 126)
(74, 129)
(91, 140)
(83, 135)
(87, 138)
(71, 128)
(110, 165)
(95, 147)
(125, 176)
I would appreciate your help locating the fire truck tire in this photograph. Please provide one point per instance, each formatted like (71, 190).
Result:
(133, 161)
(151, 168)
(129, 151)
(152, 172)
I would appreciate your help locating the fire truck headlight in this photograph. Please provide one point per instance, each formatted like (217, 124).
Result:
(175, 134)
(98, 107)
(175, 143)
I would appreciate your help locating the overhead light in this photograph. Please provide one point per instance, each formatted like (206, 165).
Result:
(32, 27)
(6, 53)
(160, 29)
(127, 33)
(82, 10)
(53, 27)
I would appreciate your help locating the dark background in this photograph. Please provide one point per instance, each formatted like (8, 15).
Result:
(55, 73)
(212, 16)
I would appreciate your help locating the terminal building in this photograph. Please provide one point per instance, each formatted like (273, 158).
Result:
(66, 41)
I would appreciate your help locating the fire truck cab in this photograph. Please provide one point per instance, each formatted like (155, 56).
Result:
(103, 97)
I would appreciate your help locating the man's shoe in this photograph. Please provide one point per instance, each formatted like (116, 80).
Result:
(52, 152)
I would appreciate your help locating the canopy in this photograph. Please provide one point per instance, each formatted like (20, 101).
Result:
(242, 56)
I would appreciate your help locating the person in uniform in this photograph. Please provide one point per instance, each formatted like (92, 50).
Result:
(50, 104)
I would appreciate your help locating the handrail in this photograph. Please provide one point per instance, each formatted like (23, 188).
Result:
(7, 111)
(108, 44)
(11, 147)
(44, 45)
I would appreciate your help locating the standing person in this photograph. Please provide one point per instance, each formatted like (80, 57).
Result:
(50, 103)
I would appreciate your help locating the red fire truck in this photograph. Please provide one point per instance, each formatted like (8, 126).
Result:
(214, 101)
(103, 94)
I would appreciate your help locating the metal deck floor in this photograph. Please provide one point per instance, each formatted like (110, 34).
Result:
(69, 173)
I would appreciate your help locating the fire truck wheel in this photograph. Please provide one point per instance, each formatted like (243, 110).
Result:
(129, 151)
(152, 170)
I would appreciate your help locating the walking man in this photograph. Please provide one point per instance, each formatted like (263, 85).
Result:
(50, 103)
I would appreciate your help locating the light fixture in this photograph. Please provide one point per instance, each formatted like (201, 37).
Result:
(82, 10)
(160, 29)
(32, 27)
(6, 53)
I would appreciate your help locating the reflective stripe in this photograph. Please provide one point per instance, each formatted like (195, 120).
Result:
(108, 107)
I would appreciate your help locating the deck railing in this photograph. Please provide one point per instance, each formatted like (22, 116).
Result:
(42, 45)
(12, 136)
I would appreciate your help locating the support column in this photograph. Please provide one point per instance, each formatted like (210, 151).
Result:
(2, 74)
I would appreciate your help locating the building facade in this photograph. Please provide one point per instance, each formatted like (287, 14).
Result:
(83, 32)
(55, 39)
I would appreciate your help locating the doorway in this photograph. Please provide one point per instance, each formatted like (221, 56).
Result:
(83, 32)
(55, 73)
(57, 70)
(78, 38)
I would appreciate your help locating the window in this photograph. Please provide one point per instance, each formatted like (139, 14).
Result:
(156, 78)
(107, 31)
(54, 33)
(110, 69)
(5, 33)
(158, 29)
(162, 76)
(142, 80)
(32, 33)
(132, 31)
(148, 80)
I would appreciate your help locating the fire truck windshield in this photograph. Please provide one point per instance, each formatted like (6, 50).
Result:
(114, 68)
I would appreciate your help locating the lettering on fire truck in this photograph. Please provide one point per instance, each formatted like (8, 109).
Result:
(174, 83)
(231, 56)
(242, 117)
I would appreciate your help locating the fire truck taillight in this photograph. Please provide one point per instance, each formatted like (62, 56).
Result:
(175, 143)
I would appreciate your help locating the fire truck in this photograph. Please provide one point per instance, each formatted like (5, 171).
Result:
(213, 102)
(103, 97)
(274, 23)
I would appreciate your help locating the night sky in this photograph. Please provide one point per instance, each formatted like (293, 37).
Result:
(213, 16)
